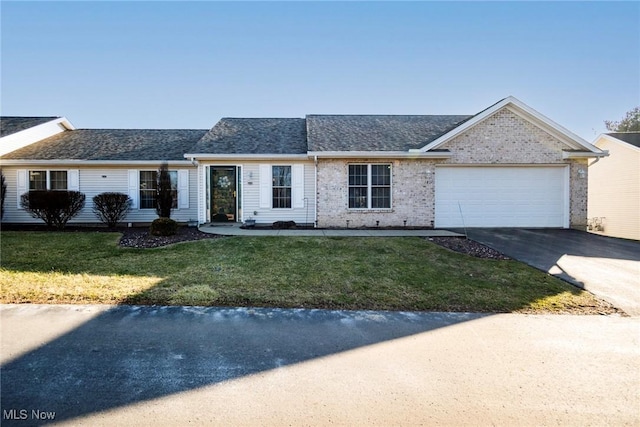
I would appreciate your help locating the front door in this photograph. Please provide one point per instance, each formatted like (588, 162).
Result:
(224, 205)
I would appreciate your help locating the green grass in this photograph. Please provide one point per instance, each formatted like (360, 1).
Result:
(348, 273)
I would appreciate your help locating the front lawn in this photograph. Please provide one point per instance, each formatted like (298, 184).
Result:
(322, 272)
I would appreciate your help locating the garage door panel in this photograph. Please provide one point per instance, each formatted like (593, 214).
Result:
(500, 197)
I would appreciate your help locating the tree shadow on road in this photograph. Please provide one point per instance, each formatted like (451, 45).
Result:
(130, 354)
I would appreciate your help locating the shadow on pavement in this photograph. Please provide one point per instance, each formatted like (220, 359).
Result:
(130, 354)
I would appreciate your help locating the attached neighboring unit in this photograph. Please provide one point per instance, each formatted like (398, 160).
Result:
(614, 186)
(507, 166)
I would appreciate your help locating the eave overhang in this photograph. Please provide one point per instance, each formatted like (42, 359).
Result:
(208, 156)
(411, 154)
(78, 163)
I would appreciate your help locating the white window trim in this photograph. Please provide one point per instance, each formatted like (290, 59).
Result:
(22, 182)
(290, 186)
(134, 188)
(72, 182)
(369, 187)
(266, 186)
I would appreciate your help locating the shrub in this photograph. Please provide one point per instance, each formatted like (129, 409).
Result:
(163, 227)
(111, 208)
(3, 193)
(164, 192)
(54, 207)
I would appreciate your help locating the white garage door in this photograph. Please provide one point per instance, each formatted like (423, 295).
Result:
(501, 197)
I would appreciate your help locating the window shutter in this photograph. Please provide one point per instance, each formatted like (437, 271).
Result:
(297, 184)
(183, 189)
(265, 186)
(23, 184)
(134, 188)
(73, 180)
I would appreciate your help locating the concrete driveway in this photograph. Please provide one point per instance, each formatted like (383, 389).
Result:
(605, 266)
(175, 366)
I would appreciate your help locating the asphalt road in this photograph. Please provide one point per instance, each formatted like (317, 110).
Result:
(100, 365)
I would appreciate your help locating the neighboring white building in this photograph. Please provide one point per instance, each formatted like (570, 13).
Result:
(507, 166)
(614, 186)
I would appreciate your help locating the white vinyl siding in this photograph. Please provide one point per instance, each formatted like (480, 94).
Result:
(73, 180)
(265, 186)
(256, 192)
(183, 189)
(501, 197)
(297, 176)
(93, 181)
(614, 189)
(133, 188)
(22, 185)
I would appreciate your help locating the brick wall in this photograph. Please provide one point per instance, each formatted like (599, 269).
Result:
(503, 138)
(411, 195)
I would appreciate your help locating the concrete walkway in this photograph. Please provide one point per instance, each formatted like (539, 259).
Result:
(174, 366)
(233, 229)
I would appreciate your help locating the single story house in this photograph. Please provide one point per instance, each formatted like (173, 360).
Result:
(506, 166)
(614, 186)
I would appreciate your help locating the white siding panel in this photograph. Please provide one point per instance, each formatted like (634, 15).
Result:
(183, 189)
(501, 197)
(614, 189)
(133, 187)
(22, 185)
(73, 180)
(265, 186)
(96, 181)
(297, 190)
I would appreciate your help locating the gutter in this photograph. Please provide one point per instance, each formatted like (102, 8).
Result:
(381, 154)
(584, 154)
(209, 156)
(16, 162)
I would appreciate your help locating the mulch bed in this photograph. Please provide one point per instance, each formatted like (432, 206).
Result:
(469, 247)
(140, 237)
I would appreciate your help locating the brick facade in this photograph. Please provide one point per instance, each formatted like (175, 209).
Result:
(503, 138)
(412, 195)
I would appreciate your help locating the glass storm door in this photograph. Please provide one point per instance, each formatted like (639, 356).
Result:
(224, 194)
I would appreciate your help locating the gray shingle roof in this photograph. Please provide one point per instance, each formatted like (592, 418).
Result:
(376, 133)
(111, 144)
(9, 125)
(254, 136)
(632, 138)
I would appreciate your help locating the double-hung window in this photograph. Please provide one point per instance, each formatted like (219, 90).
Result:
(370, 186)
(281, 186)
(47, 180)
(149, 185)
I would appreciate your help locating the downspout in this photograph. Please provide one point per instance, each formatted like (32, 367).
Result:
(315, 190)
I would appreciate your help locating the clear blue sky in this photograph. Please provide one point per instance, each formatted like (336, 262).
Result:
(187, 64)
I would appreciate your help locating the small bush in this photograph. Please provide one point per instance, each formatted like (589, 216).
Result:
(54, 207)
(163, 227)
(164, 192)
(111, 208)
